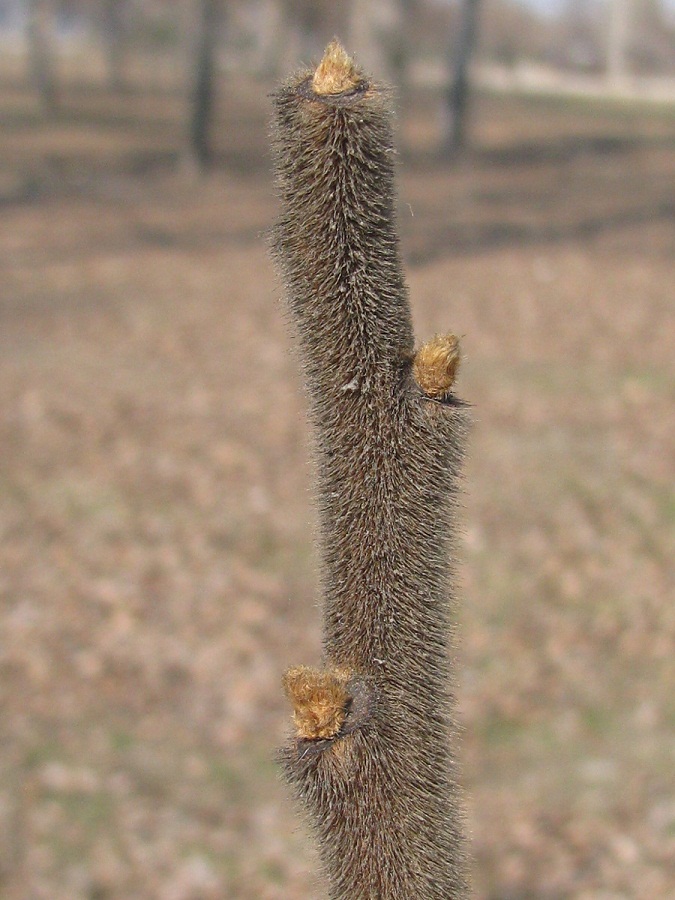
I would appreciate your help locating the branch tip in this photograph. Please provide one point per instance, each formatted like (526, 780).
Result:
(336, 73)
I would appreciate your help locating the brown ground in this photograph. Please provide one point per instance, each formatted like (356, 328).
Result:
(156, 561)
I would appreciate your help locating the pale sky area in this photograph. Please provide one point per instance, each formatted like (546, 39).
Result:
(554, 6)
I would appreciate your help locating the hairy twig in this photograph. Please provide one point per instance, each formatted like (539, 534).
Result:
(373, 755)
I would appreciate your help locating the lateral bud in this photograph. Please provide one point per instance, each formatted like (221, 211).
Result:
(327, 704)
(319, 701)
(435, 365)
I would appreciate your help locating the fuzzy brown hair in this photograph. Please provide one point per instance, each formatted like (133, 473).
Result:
(373, 757)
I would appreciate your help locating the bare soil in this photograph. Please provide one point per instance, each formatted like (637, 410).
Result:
(157, 569)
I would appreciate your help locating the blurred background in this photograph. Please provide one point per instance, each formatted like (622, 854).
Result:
(157, 567)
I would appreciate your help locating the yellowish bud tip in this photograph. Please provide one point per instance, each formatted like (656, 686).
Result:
(336, 73)
(436, 363)
(319, 702)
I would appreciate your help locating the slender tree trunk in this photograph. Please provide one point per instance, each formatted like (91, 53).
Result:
(617, 37)
(375, 34)
(203, 91)
(402, 49)
(302, 22)
(458, 94)
(373, 756)
(115, 35)
(41, 53)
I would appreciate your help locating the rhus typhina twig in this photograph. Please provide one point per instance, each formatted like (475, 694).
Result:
(373, 755)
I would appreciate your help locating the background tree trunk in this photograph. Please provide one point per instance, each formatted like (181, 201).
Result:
(115, 34)
(462, 50)
(41, 52)
(203, 90)
(617, 36)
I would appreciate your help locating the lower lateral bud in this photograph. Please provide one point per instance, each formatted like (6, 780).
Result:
(320, 701)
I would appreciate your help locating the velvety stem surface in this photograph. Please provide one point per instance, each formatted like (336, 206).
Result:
(377, 772)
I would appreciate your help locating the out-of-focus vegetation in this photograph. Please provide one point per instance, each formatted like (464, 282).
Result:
(623, 47)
